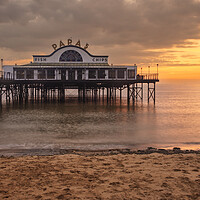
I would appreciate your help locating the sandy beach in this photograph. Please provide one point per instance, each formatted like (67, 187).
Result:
(121, 176)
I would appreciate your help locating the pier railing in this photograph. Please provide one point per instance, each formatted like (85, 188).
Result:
(138, 77)
(147, 76)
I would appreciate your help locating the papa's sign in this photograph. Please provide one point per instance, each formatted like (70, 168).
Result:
(69, 42)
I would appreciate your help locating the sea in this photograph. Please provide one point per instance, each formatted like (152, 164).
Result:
(40, 128)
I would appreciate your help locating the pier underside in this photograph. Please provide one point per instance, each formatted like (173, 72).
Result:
(92, 90)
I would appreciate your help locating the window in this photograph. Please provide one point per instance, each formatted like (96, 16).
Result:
(63, 74)
(20, 74)
(92, 73)
(101, 74)
(29, 74)
(71, 74)
(41, 74)
(50, 74)
(111, 73)
(71, 56)
(120, 73)
(131, 73)
(79, 74)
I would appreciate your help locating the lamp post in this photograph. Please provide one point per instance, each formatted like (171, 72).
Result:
(148, 72)
(157, 71)
(157, 68)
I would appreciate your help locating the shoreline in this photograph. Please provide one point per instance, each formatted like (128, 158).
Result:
(106, 152)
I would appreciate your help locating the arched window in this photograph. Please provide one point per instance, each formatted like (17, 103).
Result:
(71, 56)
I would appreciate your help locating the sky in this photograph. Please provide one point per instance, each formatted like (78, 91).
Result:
(142, 32)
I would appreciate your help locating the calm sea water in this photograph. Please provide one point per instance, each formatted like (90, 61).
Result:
(173, 121)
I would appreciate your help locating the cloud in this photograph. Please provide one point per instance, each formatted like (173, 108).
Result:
(33, 25)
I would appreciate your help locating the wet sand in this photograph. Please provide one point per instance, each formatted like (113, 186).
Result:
(101, 176)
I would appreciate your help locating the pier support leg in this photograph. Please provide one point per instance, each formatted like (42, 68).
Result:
(38, 93)
(135, 86)
(99, 93)
(32, 94)
(95, 94)
(115, 94)
(62, 94)
(84, 88)
(41, 93)
(128, 94)
(151, 93)
(120, 94)
(58, 94)
(26, 93)
(134, 93)
(142, 91)
(35, 93)
(103, 94)
(92, 90)
(79, 94)
(154, 99)
(12, 93)
(21, 93)
(107, 94)
(111, 93)
(1, 93)
(54, 94)
(148, 92)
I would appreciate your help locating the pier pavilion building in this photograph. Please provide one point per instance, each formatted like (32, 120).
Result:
(70, 63)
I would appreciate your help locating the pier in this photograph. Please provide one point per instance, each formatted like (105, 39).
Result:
(52, 77)
(96, 90)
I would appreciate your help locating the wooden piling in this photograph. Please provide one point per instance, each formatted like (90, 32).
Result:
(84, 88)
(128, 94)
